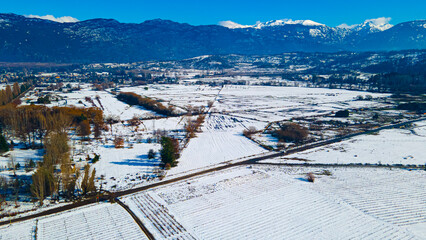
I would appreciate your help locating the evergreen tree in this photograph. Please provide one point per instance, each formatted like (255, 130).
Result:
(169, 150)
(151, 154)
(4, 147)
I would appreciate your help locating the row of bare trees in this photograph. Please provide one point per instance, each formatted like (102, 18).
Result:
(32, 123)
(8, 94)
(46, 127)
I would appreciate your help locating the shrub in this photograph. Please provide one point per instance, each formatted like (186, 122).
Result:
(291, 132)
(151, 154)
(95, 158)
(310, 177)
(326, 172)
(342, 113)
(118, 142)
(43, 100)
(250, 131)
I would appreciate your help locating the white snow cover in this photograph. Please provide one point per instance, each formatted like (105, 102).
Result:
(259, 25)
(232, 25)
(278, 203)
(392, 146)
(376, 24)
(220, 141)
(102, 221)
(64, 19)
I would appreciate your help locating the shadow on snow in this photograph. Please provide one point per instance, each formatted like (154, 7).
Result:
(140, 161)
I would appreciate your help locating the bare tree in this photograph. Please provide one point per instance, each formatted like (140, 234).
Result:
(38, 186)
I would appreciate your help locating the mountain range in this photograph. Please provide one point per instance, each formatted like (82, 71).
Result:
(29, 39)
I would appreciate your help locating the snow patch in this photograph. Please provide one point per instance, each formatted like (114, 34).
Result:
(232, 25)
(64, 19)
(374, 25)
(259, 25)
(315, 32)
(380, 24)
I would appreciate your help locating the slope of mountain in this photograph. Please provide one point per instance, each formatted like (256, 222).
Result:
(107, 40)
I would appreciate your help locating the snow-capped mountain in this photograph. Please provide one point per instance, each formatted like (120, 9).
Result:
(273, 23)
(369, 25)
(107, 40)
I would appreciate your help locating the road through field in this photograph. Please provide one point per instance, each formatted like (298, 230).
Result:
(222, 166)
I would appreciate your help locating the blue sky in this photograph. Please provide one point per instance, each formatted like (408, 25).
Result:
(200, 12)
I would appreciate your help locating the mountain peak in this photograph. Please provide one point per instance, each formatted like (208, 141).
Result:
(372, 25)
(272, 23)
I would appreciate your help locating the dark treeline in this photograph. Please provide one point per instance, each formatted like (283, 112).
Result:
(385, 82)
(399, 83)
(146, 102)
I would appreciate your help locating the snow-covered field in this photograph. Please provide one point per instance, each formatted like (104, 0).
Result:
(178, 95)
(102, 221)
(108, 103)
(278, 103)
(278, 203)
(221, 140)
(263, 103)
(235, 108)
(393, 146)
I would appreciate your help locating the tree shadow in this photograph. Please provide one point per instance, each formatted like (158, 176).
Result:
(140, 161)
(302, 179)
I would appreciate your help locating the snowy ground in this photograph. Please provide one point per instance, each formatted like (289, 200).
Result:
(102, 221)
(278, 103)
(178, 95)
(263, 103)
(110, 104)
(277, 202)
(393, 146)
(235, 108)
(221, 140)
(20, 156)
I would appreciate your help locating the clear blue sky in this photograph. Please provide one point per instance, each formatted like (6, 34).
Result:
(200, 12)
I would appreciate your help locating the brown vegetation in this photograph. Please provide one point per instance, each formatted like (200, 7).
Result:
(291, 132)
(250, 131)
(310, 177)
(118, 142)
(146, 102)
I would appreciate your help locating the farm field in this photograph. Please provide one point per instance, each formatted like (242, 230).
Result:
(261, 103)
(221, 140)
(234, 109)
(264, 202)
(229, 110)
(107, 102)
(103, 221)
(392, 146)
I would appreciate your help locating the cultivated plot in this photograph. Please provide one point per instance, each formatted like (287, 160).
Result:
(103, 221)
(392, 146)
(277, 202)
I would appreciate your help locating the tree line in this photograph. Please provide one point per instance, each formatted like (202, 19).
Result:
(146, 102)
(32, 123)
(8, 94)
(41, 126)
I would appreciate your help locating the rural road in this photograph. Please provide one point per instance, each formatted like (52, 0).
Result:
(252, 160)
